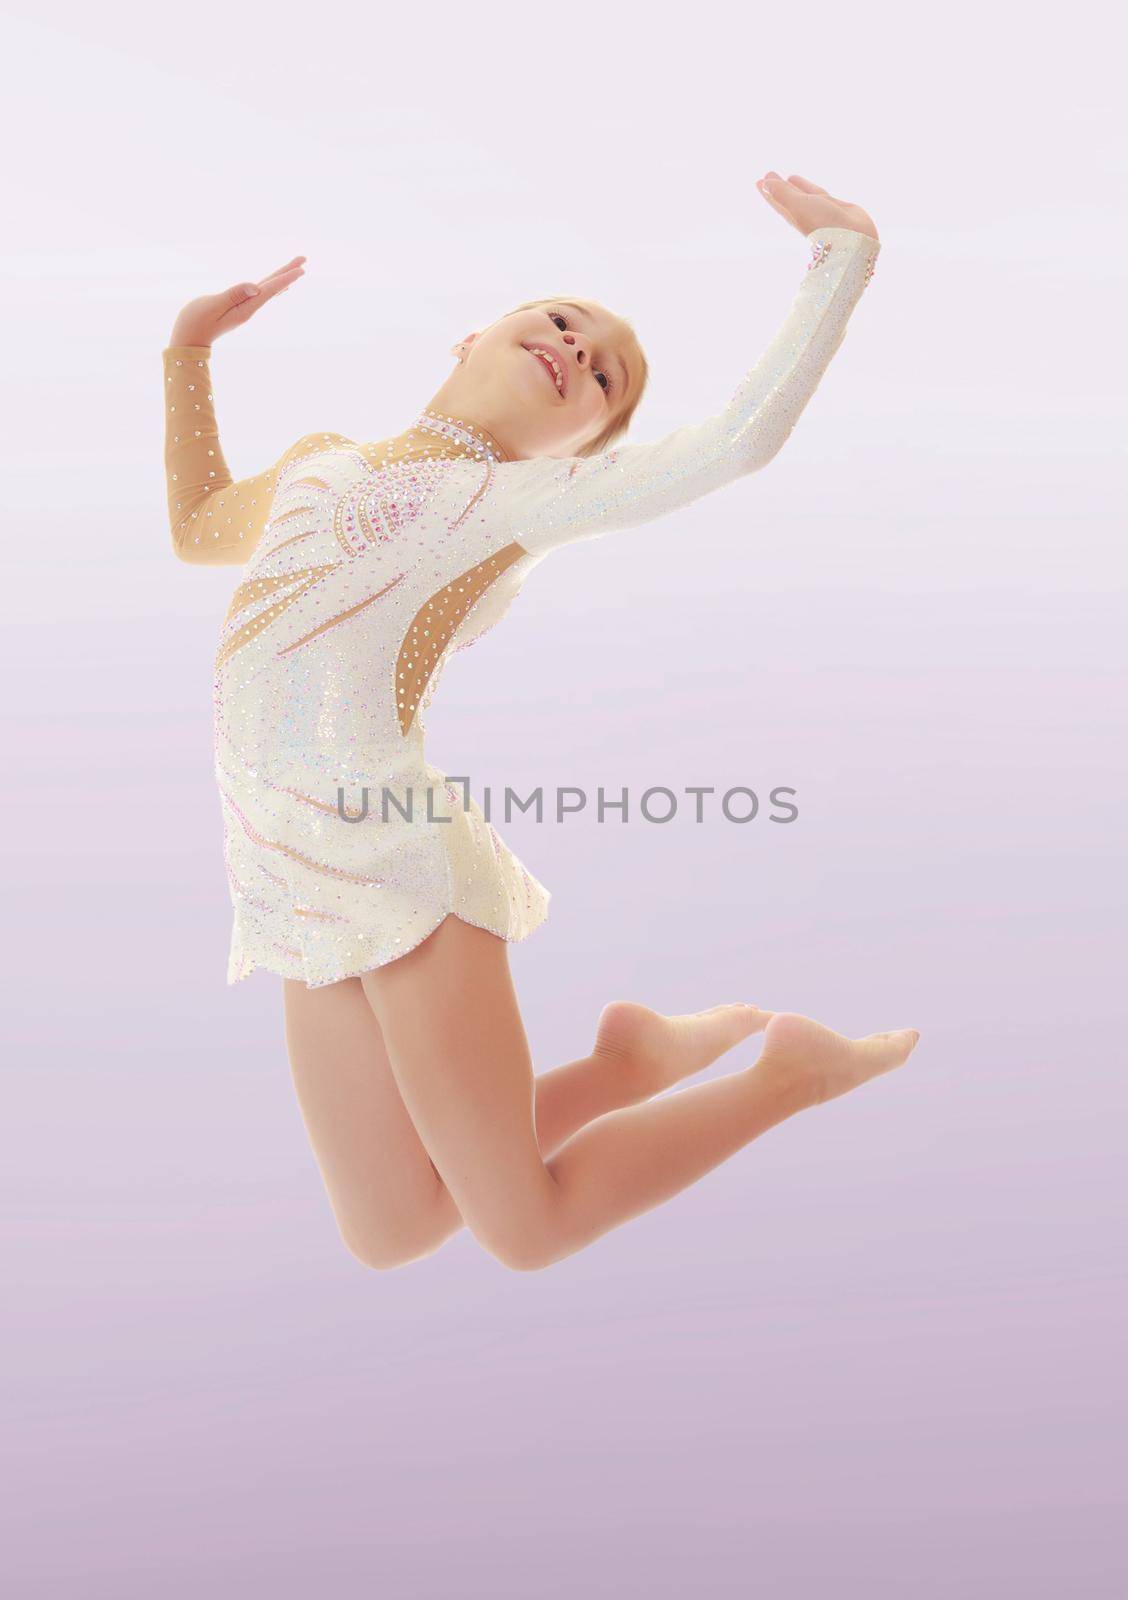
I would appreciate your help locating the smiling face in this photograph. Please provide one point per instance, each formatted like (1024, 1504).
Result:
(548, 379)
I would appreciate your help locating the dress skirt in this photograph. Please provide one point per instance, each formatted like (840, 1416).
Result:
(318, 899)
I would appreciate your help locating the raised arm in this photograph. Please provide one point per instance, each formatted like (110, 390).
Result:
(214, 520)
(557, 501)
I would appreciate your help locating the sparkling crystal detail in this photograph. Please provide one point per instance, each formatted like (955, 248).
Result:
(364, 567)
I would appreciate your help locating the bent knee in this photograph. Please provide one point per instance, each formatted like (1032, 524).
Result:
(383, 1252)
(523, 1263)
(529, 1253)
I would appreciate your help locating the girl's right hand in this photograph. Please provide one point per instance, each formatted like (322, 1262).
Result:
(808, 207)
(203, 320)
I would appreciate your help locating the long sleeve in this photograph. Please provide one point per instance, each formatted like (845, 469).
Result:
(214, 520)
(556, 500)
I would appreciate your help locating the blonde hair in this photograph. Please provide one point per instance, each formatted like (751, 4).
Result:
(621, 421)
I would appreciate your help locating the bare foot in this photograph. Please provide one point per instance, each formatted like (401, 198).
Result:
(822, 1064)
(653, 1052)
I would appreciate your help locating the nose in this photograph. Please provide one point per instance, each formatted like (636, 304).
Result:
(570, 338)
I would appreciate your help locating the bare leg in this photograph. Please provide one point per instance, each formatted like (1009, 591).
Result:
(638, 1054)
(459, 1055)
(390, 1204)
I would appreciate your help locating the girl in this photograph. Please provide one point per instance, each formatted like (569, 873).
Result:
(365, 565)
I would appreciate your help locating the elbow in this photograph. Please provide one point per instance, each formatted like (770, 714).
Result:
(762, 452)
(186, 549)
(179, 526)
(197, 554)
(185, 524)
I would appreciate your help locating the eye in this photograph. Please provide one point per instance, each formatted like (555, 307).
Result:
(604, 378)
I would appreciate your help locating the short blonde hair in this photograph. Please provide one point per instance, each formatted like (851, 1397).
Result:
(619, 424)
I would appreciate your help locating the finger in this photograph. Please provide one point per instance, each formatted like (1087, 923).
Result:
(808, 187)
(766, 191)
(282, 280)
(238, 295)
(297, 261)
(778, 191)
(298, 264)
(242, 300)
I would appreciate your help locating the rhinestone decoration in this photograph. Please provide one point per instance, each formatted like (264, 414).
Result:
(476, 441)
(364, 568)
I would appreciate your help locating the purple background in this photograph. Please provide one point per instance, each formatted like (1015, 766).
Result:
(880, 1352)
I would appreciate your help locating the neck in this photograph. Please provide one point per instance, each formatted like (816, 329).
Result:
(478, 407)
(467, 436)
(438, 435)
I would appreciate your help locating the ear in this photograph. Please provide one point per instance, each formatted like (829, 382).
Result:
(462, 348)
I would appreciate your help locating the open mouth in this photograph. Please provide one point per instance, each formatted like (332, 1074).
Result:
(552, 365)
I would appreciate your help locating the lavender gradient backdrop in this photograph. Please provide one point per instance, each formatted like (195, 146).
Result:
(881, 1352)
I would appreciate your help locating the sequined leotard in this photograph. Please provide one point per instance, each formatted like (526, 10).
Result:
(366, 566)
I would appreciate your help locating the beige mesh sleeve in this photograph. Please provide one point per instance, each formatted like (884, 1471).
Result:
(214, 520)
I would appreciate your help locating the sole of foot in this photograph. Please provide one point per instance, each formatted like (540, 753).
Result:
(824, 1064)
(659, 1051)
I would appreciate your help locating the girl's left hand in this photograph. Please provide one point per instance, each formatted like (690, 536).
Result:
(202, 320)
(808, 207)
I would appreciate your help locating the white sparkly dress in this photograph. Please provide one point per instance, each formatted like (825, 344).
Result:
(365, 566)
